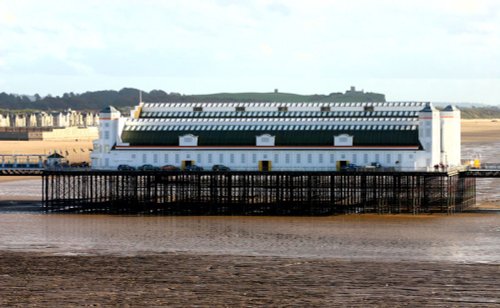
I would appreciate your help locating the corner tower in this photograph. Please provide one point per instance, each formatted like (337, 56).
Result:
(429, 135)
(110, 128)
(450, 136)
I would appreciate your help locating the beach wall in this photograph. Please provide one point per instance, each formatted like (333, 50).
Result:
(55, 134)
(71, 133)
(20, 135)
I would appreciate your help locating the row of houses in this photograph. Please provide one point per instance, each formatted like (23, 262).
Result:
(67, 118)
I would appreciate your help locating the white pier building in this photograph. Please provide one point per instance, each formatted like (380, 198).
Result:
(280, 136)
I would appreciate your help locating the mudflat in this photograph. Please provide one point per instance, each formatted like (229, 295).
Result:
(180, 280)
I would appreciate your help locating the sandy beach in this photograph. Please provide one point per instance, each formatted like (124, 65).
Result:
(480, 130)
(74, 151)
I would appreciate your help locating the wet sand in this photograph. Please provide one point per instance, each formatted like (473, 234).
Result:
(180, 280)
(355, 260)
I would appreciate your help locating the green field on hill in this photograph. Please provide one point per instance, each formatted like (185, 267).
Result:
(290, 97)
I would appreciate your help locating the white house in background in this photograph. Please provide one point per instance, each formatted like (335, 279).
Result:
(280, 136)
(4, 120)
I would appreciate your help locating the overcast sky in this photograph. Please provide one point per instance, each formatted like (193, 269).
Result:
(432, 50)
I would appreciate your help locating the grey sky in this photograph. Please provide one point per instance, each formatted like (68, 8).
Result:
(440, 50)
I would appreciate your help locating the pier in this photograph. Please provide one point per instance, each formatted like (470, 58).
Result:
(256, 193)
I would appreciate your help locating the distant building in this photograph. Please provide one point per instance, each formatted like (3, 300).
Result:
(4, 120)
(68, 118)
(280, 136)
(353, 91)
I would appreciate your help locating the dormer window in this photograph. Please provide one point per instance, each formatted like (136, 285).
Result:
(265, 140)
(188, 140)
(343, 140)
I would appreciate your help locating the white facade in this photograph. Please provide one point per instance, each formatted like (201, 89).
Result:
(438, 140)
(248, 159)
(4, 120)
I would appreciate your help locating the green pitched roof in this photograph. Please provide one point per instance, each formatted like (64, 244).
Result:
(283, 138)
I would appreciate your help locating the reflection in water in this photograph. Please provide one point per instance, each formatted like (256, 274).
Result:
(470, 238)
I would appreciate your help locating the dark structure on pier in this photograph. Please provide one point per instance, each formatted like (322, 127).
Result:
(256, 193)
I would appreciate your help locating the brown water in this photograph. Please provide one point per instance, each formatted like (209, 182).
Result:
(457, 238)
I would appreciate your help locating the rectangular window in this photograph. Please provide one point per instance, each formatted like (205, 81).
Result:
(400, 159)
(221, 158)
(231, 158)
(325, 109)
(283, 109)
(320, 158)
(240, 109)
(276, 158)
(243, 158)
(354, 158)
(155, 158)
(106, 134)
(298, 159)
(287, 158)
(165, 158)
(198, 158)
(134, 156)
(309, 158)
(210, 158)
(377, 158)
(388, 158)
(365, 158)
(369, 109)
(197, 109)
(332, 159)
(144, 158)
(254, 158)
(177, 160)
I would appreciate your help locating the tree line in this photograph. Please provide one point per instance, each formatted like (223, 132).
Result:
(127, 97)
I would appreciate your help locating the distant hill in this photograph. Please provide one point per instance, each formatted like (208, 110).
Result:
(488, 112)
(128, 97)
(356, 96)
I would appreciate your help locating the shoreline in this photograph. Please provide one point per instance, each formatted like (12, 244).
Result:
(19, 205)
